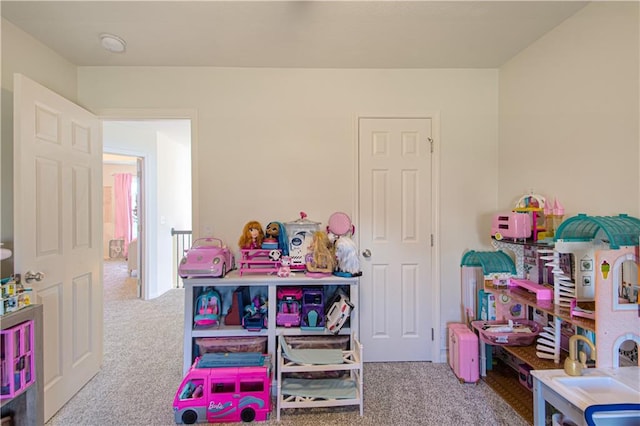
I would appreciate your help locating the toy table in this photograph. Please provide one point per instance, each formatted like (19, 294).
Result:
(257, 261)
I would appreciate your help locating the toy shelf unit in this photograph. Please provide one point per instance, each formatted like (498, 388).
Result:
(260, 292)
(259, 261)
(22, 387)
(18, 359)
(583, 283)
(295, 392)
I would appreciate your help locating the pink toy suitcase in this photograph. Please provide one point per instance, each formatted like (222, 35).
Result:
(463, 353)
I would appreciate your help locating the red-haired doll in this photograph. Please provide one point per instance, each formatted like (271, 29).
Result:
(252, 236)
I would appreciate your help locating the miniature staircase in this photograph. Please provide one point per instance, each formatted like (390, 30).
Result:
(564, 289)
(548, 341)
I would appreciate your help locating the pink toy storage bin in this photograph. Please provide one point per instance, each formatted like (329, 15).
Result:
(525, 332)
(17, 358)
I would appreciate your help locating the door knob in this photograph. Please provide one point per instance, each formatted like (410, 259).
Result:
(31, 276)
(366, 253)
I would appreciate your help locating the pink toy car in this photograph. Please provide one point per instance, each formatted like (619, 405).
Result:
(207, 257)
(289, 303)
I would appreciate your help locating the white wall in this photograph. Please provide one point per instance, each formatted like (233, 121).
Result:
(23, 54)
(273, 142)
(569, 114)
(174, 199)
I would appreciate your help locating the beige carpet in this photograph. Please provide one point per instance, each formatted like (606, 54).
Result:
(143, 367)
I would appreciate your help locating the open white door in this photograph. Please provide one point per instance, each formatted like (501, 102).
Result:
(58, 231)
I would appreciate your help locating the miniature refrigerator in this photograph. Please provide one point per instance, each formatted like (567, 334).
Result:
(463, 353)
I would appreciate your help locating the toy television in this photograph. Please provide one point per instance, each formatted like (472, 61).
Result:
(511, 225)
(225, 387)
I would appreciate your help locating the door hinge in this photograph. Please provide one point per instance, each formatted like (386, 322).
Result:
(430, 145)
(432, 335)
(431, 240)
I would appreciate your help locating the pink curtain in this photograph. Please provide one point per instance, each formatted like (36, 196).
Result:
(123, 219)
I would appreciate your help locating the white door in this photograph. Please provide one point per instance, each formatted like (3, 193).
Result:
(395, 210)
(57, 231)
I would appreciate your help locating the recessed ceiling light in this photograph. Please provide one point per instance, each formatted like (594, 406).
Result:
(113, 43)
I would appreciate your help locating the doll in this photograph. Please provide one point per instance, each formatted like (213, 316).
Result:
(252, 236)
(348, 263)
(285, 267)
(276, 234)
(320, 257)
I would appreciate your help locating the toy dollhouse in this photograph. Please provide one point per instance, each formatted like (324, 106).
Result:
(605, 272)
(584, 281)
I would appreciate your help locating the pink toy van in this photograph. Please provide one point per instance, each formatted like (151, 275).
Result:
(512, 225)
(225, 387)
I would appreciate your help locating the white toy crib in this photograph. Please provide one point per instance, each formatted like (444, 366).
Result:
(332, 392)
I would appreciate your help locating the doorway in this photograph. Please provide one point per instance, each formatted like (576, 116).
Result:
(121, 219)
(162, 149)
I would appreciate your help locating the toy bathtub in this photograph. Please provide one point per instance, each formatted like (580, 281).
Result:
(512, 333)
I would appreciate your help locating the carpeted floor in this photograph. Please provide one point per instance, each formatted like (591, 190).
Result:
(143, 367)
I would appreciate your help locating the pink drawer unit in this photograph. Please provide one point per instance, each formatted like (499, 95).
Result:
(17, 359)
(463, 353)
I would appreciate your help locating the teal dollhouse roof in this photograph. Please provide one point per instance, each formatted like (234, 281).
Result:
(490, 261)
(621, 230)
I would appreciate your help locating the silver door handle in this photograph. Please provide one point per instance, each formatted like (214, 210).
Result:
(30, 276)
(366, 253)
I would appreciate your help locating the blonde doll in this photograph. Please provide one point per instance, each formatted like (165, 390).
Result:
(252, 236)
(321, 257)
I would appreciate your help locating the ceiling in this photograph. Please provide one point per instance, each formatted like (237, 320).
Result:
(298, 34)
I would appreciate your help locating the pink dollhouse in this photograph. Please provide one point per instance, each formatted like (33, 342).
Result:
(606, 257)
